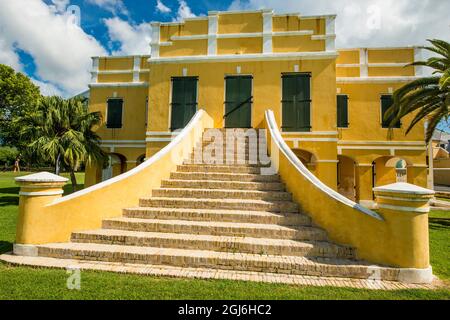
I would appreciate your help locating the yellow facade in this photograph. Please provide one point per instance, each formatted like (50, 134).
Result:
(317, 160)
(264, 45)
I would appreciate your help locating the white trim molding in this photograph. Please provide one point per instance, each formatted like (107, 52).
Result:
(369, 142)
(366, 79)
(122, 141)
(159, 139)
(312, 139)
(313, 133)
(42, 193)
(248, 57)
(165, 133)
(403, 208)
(118, 84)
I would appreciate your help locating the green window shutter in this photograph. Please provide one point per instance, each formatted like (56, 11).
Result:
(342, 111)
(115, 110)
(386, 103)
(238, 102)
(289, 113)
(184, 101)
(296, 102)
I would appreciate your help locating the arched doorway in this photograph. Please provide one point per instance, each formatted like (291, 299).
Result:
(307, 158)
(346, 177)
(115, 166)
(140, 160)
(388, 170)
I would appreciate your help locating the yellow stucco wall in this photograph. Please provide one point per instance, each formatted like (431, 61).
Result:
(239, 46)
(297, 44)
(365, 131)
(240, 23)
(266, 89)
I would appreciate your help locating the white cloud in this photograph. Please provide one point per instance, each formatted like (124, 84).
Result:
(60, 5)
(113, 6)
(161, 7)
(133, 39)
(401, 22)
(60, 49)
(48, 89)
(8, 56)
(184, 11)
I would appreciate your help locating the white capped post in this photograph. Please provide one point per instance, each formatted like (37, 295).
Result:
(95, 68)
(213, 28)
(268, 31)
(136, 68)
(364, 62)
(156, 39)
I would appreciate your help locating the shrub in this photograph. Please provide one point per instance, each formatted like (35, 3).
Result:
(8, 155)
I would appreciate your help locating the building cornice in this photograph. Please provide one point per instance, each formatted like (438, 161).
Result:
(248, 57)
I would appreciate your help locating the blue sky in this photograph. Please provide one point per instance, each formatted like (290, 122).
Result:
(38, 37)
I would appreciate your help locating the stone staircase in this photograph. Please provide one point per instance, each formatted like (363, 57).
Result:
(218, 217)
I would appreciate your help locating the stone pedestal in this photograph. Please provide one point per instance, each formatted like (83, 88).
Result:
(405, 208)
(36, 192)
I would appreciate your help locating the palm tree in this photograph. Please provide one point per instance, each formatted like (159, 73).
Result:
(428, 98)
(61, 131)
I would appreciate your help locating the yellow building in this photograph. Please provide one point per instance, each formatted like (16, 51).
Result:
(328, 146)
(441, 158)
(328, 101)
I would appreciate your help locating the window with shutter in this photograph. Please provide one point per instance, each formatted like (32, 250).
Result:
(386, 103)
(114, 114)
(296, 102)
(238, 104)
(184, 101)
(342, 111)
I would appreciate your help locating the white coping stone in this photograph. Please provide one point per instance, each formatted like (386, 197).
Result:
(416, 276)
(402, 187)
(42, 177)
(25, 250)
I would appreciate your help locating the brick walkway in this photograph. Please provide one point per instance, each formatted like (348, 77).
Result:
(202, 273)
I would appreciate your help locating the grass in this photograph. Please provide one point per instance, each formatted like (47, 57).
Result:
(29, 283)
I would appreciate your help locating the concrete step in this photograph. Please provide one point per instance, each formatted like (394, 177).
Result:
(222, 176)
(217, 184)
(227, 204)
(220, 169)
(217, 228)
(214, 243)
(325, 267)
(238, 216)
(222, 194)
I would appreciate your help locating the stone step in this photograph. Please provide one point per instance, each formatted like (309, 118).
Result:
(220, 169)
(325, 267)
(239, 216)
(227, 204)
(258, 131)
(217, 228)
(222, 176)
(226, 162)
(214, 243)
(217, 184)
(222, 194)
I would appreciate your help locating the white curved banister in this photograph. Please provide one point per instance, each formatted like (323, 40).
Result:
(295, 161)
(177, 140)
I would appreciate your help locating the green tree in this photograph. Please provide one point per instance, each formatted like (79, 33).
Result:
(8, 155)
(62, 131)
(17, 95)
(426, 98)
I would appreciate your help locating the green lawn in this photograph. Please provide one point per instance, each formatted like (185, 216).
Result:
(28, 283)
